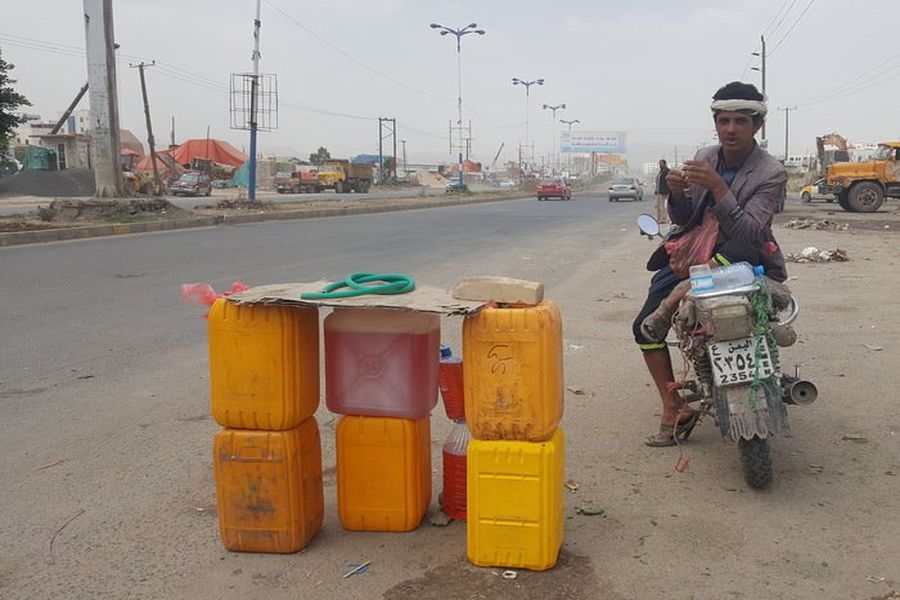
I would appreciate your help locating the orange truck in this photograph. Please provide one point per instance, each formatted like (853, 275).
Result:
(863, 186)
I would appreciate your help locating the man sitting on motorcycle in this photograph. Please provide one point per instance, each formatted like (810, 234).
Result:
(736, 184)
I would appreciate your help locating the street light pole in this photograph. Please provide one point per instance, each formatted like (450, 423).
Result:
(555, 108)
(527, 84)
(459, 33)
(569, 123)
(787, 112)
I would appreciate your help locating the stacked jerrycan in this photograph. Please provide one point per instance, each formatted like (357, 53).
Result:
(381, 374)
(264, 389)
(512, 368)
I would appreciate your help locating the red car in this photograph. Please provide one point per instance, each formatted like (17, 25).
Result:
(556, 188)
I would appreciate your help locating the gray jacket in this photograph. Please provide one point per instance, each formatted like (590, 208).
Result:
(746, 212)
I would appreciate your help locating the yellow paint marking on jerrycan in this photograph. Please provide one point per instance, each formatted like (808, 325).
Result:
(263, 365)
(269, 488)
(513, 372)
(515, 502)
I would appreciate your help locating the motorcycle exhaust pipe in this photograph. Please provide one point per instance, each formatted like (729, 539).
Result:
(799, 392)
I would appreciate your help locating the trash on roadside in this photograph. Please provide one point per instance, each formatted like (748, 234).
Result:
(874, 347)
(509, 574)
(357, 569)
(823, 225)
(590, 511)
(578, 391)
(440, 519)
(855, 437)
(811, 254)
(572, 485)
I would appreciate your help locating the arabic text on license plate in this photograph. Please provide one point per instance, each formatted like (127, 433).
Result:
(734, 362)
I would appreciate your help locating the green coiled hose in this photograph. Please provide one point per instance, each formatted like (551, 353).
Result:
(391, 283)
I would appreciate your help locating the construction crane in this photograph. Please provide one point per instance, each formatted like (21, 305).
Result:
(496, 156)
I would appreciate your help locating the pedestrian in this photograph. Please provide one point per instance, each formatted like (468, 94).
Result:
(729, 194)
(662, 191)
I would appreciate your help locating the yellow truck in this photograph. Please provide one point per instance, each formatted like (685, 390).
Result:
(344, 176)
(863, 186)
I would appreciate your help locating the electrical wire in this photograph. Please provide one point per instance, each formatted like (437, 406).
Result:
(796, 22)
(766, 29)
(783, 17)
(851, 83)
(353, 59)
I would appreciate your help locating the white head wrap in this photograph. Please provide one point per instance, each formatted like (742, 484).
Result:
(756, 107)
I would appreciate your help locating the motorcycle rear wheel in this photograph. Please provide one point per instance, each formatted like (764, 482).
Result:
(756, 459)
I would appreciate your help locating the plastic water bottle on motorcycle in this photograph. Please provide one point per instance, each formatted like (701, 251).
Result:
(705, 279)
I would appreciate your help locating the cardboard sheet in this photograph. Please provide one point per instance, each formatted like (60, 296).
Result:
(423, 299)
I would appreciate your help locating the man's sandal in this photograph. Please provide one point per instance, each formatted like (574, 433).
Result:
(667, 433)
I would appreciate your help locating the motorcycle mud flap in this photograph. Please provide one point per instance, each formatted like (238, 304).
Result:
(744, 414)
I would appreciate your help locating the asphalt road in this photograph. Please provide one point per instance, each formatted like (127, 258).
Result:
(106, 437)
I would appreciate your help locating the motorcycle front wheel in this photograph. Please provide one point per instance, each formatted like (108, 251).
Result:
(756, 459)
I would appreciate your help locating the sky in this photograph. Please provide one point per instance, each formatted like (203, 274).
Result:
(644, 67)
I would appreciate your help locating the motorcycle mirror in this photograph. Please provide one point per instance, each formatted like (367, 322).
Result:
(648, 225)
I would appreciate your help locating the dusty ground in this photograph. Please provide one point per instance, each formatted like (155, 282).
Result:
(828, 529)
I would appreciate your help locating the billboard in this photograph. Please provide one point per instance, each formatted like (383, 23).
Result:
(607, 142)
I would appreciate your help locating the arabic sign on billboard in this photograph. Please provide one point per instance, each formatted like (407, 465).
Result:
(609, 142)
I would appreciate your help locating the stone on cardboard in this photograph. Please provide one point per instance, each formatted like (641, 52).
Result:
(499, 289)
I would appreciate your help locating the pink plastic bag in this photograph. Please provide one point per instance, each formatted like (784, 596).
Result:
(694, 247)
(203, 293)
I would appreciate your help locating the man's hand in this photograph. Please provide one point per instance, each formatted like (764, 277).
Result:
(677, 184)
(698, 172)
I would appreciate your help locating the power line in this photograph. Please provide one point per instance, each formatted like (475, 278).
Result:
(783, 17)
(837, 90)
(785, 36)
(353, 59)
(766, 30)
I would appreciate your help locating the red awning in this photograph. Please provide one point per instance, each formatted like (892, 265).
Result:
(214, 150)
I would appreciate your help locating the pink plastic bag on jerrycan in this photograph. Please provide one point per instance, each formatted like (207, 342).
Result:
(381, 362)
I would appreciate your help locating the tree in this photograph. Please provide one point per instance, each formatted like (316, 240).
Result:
(10, 101)
(319, 156)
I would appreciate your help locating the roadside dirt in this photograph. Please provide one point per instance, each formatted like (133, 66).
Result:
(80, 212)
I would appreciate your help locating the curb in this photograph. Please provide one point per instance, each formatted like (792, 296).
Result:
(18, 238)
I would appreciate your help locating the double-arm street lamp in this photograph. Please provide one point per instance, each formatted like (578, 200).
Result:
(569, 123)
(554, 108)
(459, 33)
(527, 84)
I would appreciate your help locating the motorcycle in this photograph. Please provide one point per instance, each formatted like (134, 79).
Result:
(730, 339)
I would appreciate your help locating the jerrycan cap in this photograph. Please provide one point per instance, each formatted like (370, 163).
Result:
(759, 270)
(446, 352)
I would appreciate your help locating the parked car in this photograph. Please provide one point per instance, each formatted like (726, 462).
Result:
(818, 190)
(454, 186)
(554, 188)
(191, 184)
(626, 187)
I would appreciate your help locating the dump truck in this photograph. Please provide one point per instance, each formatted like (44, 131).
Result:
(863, 186)
(344, 176)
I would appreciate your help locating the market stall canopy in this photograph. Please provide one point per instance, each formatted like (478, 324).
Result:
(217, 151)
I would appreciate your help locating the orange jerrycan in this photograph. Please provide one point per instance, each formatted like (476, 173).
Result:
(269, 488)
(383, 472)
(513, 372)
(515, 502)
(263, 365)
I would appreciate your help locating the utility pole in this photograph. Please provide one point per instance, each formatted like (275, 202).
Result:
(254, 89)
(405, 165)
(762, 70)
(787, 112)
(172, 140)
(101, 67)
(157, 184)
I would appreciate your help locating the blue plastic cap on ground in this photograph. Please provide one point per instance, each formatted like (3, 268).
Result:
(446, 352)
(759, 270)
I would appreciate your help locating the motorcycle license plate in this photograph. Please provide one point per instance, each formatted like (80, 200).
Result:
(735, 362)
